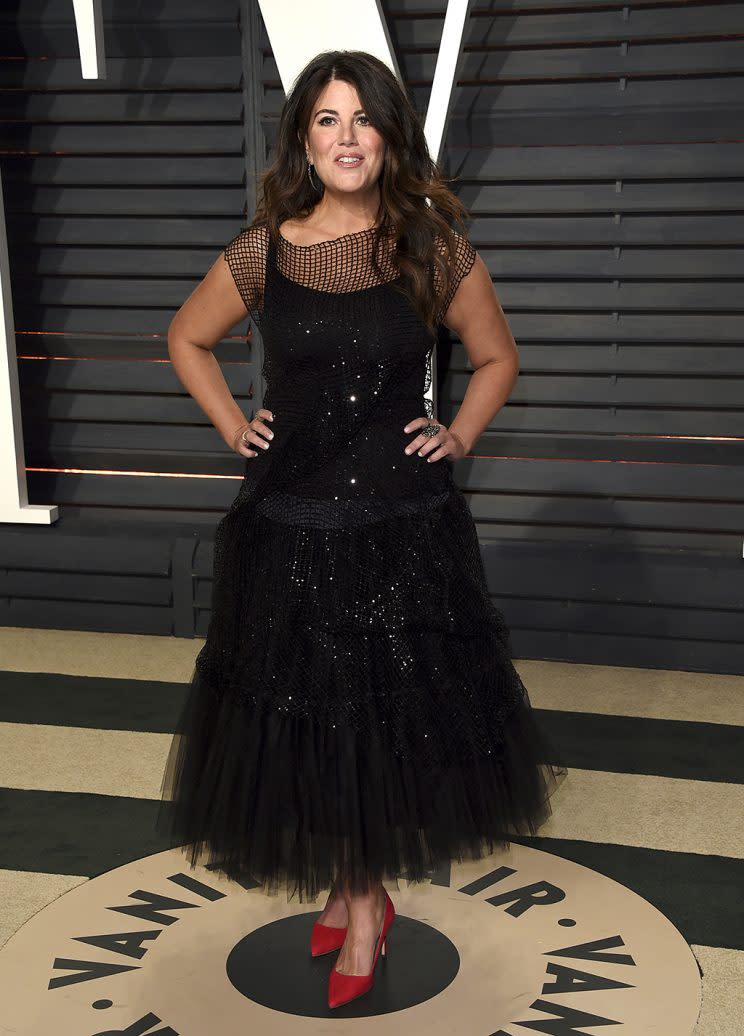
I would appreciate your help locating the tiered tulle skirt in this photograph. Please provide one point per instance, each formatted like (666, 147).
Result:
(354, 712)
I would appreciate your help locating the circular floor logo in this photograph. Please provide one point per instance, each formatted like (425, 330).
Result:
(517, 943)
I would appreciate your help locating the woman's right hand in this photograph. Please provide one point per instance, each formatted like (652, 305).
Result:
(254, 431)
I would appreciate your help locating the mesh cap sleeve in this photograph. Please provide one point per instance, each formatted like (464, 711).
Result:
(465, 255)
(245, 256)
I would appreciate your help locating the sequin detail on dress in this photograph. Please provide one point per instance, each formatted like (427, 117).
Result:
(354, 707)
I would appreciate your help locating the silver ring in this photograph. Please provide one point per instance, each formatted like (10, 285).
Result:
(430, 430)
(245, 441)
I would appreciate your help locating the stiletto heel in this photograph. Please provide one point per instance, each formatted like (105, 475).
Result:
(343, 988)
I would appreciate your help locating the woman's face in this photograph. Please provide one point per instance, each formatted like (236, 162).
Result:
(339, 126)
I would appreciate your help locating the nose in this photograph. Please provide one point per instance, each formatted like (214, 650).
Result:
(347, 135)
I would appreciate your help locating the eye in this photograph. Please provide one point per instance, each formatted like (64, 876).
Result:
(323, 118)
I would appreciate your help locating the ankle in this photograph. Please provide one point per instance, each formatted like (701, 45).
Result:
(364, 902)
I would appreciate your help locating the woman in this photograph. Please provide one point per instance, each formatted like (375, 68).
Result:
(354, 714)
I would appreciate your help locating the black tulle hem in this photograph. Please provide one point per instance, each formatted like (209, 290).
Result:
(288, 802)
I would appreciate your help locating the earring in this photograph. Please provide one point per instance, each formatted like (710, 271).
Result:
(310, 177)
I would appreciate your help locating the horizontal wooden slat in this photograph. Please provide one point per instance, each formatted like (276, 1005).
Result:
(82, 550)
(666, 327)
(128, 138)
(626, 295)
(133, 41)
(598, 512)
(604, 445)
(235, 349)
(120, 376)
(72, 586)
(155, 73)
(621, 262)
(500, 100)
(659, 229)
(82, 320)
(705, 358)
(101, 616)
(135, 201)
(183, 266)
(606, 479)
(634, 619)
(619, 196)
(91, 406)
(636, 125)
(187, 448)
(603, 421)
(158, 491)
(683, 159)
(59, 12)
(208, 458)
(142, 108)
(620, 390)
(638, 539)
(170, 232)
(614, 649)
(104, 171)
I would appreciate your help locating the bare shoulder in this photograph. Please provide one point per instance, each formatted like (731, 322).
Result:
(288, 229)
(299, 231)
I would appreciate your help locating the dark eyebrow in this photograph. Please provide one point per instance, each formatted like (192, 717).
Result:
(359, 111)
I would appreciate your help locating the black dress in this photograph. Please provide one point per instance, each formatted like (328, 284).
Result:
(354, 710)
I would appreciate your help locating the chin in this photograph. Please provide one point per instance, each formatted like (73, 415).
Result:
(349, 188)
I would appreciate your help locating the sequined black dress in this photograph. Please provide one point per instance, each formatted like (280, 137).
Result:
(354, 708)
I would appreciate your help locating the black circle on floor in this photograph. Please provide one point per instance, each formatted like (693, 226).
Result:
(272, 966)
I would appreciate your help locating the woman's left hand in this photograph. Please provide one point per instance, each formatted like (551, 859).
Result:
(444, 444)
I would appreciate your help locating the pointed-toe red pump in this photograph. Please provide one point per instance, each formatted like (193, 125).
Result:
(344, 988)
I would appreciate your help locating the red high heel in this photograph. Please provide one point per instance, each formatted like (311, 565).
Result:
(325, 939)
(343, 988)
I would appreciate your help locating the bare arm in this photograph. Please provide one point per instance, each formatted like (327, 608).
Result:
(212, 309)
(476, 316)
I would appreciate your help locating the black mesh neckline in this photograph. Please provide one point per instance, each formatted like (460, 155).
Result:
(337, 266)
(329, 240)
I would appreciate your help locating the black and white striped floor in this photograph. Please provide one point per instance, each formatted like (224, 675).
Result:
(654, 799)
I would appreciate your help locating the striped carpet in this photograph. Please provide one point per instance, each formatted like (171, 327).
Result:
(654, 798)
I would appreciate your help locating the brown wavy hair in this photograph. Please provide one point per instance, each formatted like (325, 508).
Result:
(408, 178)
